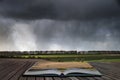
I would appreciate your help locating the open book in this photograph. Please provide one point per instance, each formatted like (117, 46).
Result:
(62, 69)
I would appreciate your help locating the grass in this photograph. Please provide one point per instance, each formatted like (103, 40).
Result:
(71, 57)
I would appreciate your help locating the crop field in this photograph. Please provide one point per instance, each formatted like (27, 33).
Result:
(70, 57)
(74, 57)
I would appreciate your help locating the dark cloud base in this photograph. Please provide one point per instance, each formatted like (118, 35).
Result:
(59, 9)
(46, 34)
(59, 25)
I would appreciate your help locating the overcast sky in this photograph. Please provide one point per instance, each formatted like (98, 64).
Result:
(59, 25)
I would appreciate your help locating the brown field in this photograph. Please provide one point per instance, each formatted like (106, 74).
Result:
(61, 65)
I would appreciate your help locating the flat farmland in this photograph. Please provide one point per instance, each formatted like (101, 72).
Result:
(74, 57)
(63, 56)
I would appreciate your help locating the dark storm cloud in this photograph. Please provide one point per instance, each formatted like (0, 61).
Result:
(27, 9)
(5, 28)
(59, 9)
(47, 34)
(118, 1)
(85, 35)
(59, 24)
(6, 42)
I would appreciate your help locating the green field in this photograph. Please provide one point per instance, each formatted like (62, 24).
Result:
(69, 57)
(73, 57)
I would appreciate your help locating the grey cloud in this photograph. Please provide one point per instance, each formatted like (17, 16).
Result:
(59, 9)
(59, 24)
(118, 1)
(77, 34)
(6, 42)
(47, 34)
(27, 9)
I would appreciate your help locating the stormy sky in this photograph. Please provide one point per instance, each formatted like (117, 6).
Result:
(59, 25)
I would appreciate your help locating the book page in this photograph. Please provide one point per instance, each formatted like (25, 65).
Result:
(56, 67)
(91, 71)
(61, 65)
(42, 72)
(61, 68)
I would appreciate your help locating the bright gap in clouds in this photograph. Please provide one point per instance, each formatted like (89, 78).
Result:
(23, 37)
(55, 47)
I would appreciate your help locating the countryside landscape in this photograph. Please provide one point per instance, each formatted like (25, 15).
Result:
(64, 55)
(73, 39)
